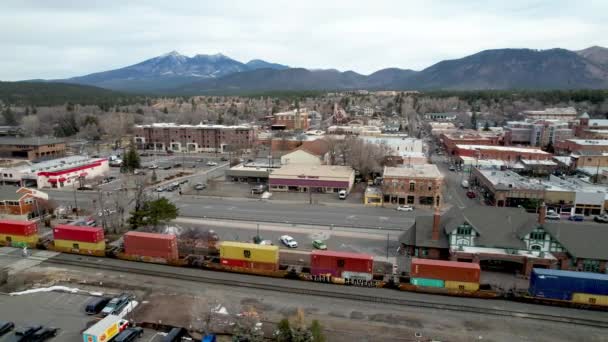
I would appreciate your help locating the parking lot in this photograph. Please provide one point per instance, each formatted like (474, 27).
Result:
(52, 309)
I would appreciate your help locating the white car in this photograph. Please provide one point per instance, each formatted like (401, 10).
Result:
(288, 241)
(211, 163)
(552, 215)
(405, 208)
(153, 167)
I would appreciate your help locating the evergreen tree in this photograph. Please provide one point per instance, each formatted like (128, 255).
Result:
(165, 110)
(474, 120)
(153, 213)
(486, 126)
(9, 117)
(131, 160)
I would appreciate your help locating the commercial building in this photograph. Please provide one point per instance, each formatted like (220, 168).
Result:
(563, 114)
(506, 188)
(21, 203)
(56, 173)
(413, 184)
(253, 172)
(194, 138)
(440, 116)
(506, 153)
(301, 156)
(321, 178)
(296, 119)
(581, 145)
(539, 133)
(373, 197)
(398, 144)
(355, 129)
(31, 148)
(588, 128)
(468, 137)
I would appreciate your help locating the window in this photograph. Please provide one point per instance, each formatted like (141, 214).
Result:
(591, 265)
(537, 236)
(464, 229)
(412, 186)
(535, 248)
(425, 251)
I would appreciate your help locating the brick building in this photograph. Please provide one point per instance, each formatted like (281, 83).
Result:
(581, 145)
(31, 148)
(318, 178)
(563, 114)
(20, 203)
(539, 133)
(194, 138)
(468, 137)
(296, 119)
(413, 185)
(506, 153)
(588, 128)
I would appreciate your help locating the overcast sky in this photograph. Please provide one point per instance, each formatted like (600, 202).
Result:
(60, 38)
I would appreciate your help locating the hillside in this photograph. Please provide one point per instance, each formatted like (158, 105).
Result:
(596, 54)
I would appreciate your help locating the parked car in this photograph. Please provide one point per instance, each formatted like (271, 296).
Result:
(6, 326)
(168, 167)
(471, 194)
(266, 243)
(258, 189)
(200, 186)
(23, 334)
(43, 334)
(601, 218)
(139, 172)
(224, 159)
(319, 244)
(128, 335)
(106, 212)
(452, 168)
(342, 194)
(552, 215)
(183, 181)
(116, 305)
(211, 163)
(177, 165)
(576, 217)
(175, 335)
(153, 167)
(85, 188)
(405, 208)
(160, 189)
(288, 241)
(95, 305)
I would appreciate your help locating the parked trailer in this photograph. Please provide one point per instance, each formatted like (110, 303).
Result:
(103, 331)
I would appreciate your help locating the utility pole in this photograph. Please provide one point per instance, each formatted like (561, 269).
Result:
(388, 236)
(75, 201)
(101, 208)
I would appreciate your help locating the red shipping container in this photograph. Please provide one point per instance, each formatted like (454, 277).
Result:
(151, 244)
(78, 233)
(324, 262)
(445, 270)
(234, 263)
(13, 227)
(250, 264)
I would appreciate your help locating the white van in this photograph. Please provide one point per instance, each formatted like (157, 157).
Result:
(342, 194)
(465, 183)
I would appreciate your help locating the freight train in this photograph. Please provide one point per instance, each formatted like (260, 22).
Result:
(554, 287)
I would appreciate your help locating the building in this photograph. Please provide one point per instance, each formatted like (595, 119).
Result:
(439, 116)
(57, 173)
(506, 188)
(510, 154)
(21, 203)
(355, 129)
(539, 133)
(296, 119)
(581, 145)
(253, 172)
(321, 178)
(562, 114)
(398, 144)
(588, 128)
(468, 137)
(194, 138)
(413, 185)
(31, 148)
(439, 128)
(301, 156)
(373, 197)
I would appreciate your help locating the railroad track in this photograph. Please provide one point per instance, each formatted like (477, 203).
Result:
(83, 262)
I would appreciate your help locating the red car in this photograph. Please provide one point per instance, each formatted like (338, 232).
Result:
(471, 194)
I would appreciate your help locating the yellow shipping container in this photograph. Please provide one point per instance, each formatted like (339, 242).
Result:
(8, 240)
(461, 286)
(100, 246)
(249, 252)
(586, 298)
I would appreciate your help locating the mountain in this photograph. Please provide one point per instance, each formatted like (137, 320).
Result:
(58, 94)
(168, 71)
(511, 69)
(596, 54)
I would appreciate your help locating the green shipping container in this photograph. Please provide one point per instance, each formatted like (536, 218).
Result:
(427, 282)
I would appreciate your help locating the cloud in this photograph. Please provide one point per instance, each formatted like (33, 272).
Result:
(58, 39)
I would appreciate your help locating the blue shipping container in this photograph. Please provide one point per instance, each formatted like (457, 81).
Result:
(556, 284)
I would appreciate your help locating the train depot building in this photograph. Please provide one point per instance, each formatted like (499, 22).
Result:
(506, 239)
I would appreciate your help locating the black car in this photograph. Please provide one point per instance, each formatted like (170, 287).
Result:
(167, 167)
(95, 305)
(130, 334)
(24, 334)
(177, 165)
(43, 334)
(175, 335)
(6, 326)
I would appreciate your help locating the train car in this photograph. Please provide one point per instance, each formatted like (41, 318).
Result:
(239, 255)
(150, 247)
(78, 239)
(345, 265)
(18, 233)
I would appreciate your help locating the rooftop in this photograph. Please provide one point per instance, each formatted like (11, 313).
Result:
(589, 142)
(55, 164)
(503, 180)
(200, 126)
(552, 111)
(30, 141)
(582, 240)
(502, 148)
(420, 171)
(598, 122)
(320, 171)
(9, 193)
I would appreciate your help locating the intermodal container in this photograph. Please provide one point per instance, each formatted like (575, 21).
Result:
(445, 270)
(78, 233)
(102, 331)
(151, 245)
(461, 286)
(13, 227)
(11, 240)
(557, 284)
(250, 264)
(341, 264)
(99, 246)
(427, 282)
(249, 252)
(585, 298)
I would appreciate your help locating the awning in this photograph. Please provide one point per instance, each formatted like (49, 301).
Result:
(84, 174)
(52, 180)
(62, 179)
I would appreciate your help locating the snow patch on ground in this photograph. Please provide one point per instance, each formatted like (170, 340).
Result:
(56, 288)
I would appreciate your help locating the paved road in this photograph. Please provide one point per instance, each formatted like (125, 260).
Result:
(327, 215)
(454, 193)
(338, 239)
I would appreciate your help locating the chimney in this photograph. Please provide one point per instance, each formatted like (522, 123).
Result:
(542, 213)
(436, 220)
